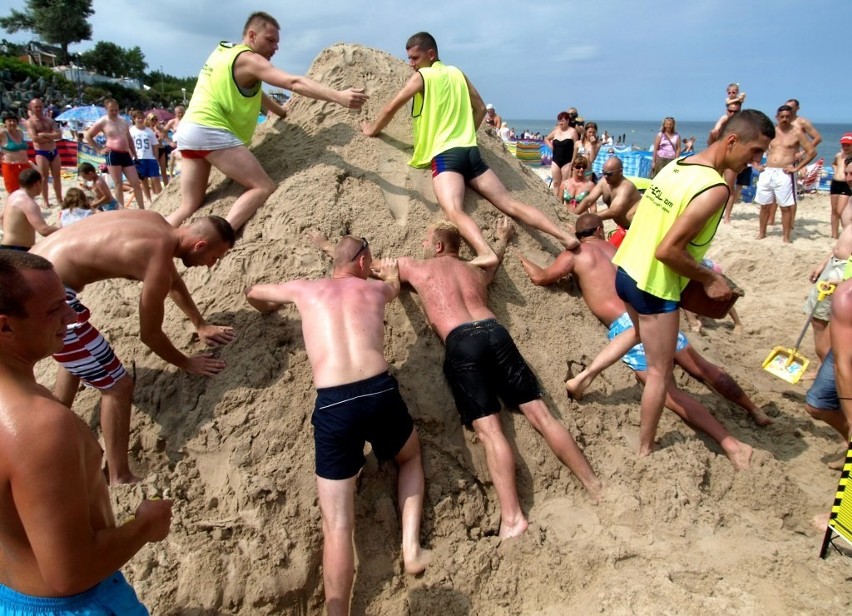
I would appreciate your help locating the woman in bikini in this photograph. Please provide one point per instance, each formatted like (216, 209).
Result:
(14, 152)
(666, 145)
(561, 141)
(577, 186)
(589, 145)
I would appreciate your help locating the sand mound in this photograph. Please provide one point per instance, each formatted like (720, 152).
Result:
(679, 532)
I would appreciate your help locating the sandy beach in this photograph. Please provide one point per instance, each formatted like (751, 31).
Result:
(677, 532)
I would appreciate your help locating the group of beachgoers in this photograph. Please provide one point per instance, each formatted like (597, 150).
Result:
(62, 549)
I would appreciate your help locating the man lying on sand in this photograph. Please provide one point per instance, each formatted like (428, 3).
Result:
(592, 266)
(137, 245)
(61, 546)
(357, 401)
(482, 363)
(447, 112)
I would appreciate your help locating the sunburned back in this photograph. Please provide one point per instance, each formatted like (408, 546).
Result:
(596, 274)
(343, 327)
(451, 291)
(17, 230)
(27, 411)
(115, 245)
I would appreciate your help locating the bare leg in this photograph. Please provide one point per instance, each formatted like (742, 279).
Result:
(501, 465)
(44, 169)
(611, 353)
(410, 496)
(337, 504)
(146, 188)
(193, 184)
(156, 187)
(773, 208)
(136, 184)
(822, 337)
(556, 180)
(721, 382)
(562, 444)
(763, 220)
(693, 320)
(118, 181)
(787, 216)
(240, 165)
(115, 424)
(735, 317)
(691, 411)
(836, 211)
(164, 172)
(658, 333)
(65, 388)
(837, 420)
(449, 189)
(56, 175)
(489, 186)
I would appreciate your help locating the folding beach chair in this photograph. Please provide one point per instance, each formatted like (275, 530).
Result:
(840, 520)
(809, 181)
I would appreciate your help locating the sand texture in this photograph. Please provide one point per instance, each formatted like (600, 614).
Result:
(678, 532)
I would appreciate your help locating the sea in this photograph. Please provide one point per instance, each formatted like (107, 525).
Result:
(641, 134)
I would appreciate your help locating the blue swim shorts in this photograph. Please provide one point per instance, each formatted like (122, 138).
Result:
(823, 393)
(112, 597)
(642, 301)
(635, 357)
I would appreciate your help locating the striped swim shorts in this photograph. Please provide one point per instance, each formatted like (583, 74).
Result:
(86, 353)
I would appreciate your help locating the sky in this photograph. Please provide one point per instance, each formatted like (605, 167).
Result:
(612, 59)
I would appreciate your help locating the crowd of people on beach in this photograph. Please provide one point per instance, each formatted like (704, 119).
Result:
(62, 547)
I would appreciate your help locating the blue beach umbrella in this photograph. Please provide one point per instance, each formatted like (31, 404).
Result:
(87, 114)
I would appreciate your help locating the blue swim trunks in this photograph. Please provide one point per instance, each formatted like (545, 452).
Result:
(112, 597)
(635, 357)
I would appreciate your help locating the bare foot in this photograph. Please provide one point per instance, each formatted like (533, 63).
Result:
(515, 530)
(738, 329)
(575, 386)
(838, 464)
(417, 563)
(486, 260)
(760, 418)
(128, 478)
(761, 236)
(740, 455)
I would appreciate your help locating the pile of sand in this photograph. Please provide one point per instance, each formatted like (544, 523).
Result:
(679, 531)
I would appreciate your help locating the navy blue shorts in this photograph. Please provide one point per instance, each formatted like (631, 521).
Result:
(642, 302)
(347, 416)
(466, 161)
(744, 177)
(115, 158)
(482, 363)
(823, 393)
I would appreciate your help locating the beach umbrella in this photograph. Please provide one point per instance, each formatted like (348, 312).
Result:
(163, 115)
(87, 113)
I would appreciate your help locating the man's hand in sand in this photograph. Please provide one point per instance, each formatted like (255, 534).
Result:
(320, 240)
(156, 517)
(388, 270)
(370, 129)
(216, 335)
(204, 364)
(353, 98)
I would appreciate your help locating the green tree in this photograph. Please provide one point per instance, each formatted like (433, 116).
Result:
(134, 62)
(58, 22)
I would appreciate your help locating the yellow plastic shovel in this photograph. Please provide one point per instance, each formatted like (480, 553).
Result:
(789, 364)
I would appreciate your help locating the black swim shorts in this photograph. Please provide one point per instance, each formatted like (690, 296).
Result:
(482, 363)
(839, 188)
(744, 177)
(466, 161)
(115, 158)
(347, 416)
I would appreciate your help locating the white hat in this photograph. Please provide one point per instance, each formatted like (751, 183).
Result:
(489, 107)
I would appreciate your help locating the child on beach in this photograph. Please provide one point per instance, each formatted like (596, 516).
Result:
(75, 207)
(733, 94)
(147, 149)
(96, 185)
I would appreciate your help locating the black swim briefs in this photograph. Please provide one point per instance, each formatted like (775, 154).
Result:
(347, 416)
(482, 363)
(115, 158)
(466, 161)
(839, 188)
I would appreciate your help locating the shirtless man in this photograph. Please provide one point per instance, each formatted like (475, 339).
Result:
(482, 363)
(137, 246)
(620, 195)
(44, 133)
(222, 116)
(357, 401)
(776, 185)
(119, 151)
(22, 216)
(57, 528)
(804, 124)
(491, 117)
(591, 264)
(445, 140)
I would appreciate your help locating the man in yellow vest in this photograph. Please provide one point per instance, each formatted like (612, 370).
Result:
(669, 235)
(222, 115)
(446, 112)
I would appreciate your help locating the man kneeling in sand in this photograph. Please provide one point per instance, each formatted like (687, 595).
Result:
(482, 363)
(592, 265)
(357, 401)
(61, 548)
(136, 245)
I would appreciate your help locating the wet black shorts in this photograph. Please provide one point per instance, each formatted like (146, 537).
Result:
(839, 188)
(347, 416)
(744, 177)
(466, 161)
(114, 158)
(482, 363)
